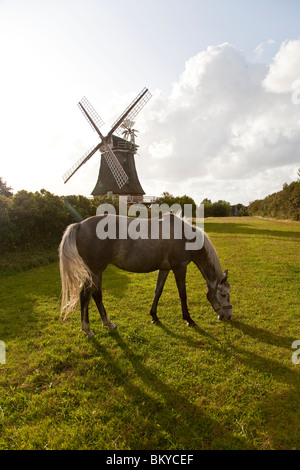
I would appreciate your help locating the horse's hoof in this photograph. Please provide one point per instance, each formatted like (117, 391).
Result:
(154, 322)
(90, 334)
(110, 325)
(86, 328)
(191, 323)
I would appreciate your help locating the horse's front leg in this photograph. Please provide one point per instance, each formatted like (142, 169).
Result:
(180, 275)
(161, 279)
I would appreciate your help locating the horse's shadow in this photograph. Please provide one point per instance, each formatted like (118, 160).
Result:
(248, 357)
(263, 335)
(158, 399)
(190, 341)
(163, 403)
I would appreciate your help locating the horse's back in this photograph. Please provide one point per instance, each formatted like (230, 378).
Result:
(129, 247)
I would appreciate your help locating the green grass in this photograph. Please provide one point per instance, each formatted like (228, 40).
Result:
(165, 386)
(21, 260)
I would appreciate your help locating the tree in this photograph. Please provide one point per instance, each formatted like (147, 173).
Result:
(4, 189)
(208, 209)
(284, 204)
(182, 200)
(241, 210)
(170, 200)
(6, 227)
(166, 198)
(221, 209)
(216, 209)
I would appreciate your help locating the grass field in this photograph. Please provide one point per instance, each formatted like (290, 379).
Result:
(165, 386)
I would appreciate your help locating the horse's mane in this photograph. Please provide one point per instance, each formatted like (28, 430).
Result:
(208, 247)
(211, 253)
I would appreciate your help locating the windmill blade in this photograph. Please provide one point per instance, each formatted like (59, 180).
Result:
(115, 167)
(80, 162)
(91, 115)
(131, 111)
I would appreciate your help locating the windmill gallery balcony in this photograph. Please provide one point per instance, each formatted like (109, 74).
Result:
(135, 199)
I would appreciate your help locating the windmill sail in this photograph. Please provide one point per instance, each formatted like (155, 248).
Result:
(91, 115)
(116, 169)
(80, 162)
(131, 111)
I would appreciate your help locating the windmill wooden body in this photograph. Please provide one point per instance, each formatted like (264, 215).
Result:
(117, 173)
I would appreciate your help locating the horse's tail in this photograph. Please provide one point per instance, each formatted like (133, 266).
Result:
(73, 270)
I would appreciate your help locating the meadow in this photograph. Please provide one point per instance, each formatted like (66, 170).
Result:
(217, 385)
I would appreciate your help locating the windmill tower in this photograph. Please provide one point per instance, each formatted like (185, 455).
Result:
(117, 173)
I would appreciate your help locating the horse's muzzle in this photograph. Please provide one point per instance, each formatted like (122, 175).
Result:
(225, 316)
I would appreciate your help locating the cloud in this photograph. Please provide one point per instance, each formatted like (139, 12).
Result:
(285, 68)
(228, 129)
(261, 48)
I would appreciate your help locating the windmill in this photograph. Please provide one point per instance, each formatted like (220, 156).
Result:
(117, 173)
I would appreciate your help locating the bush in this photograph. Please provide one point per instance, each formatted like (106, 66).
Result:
(39, 219)
(216, 209)
(169, 199)
(284, 204)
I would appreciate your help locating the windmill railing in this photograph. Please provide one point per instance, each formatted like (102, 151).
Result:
(125, 146)
(149, 199)
(131, 199)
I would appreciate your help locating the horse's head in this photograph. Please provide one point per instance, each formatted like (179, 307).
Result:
(219, 298)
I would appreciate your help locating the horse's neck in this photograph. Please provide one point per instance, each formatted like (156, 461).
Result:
(208, 263)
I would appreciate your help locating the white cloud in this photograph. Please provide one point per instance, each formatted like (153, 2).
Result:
(225, 131)
(285, 68)
(161, 149)
(260, 49)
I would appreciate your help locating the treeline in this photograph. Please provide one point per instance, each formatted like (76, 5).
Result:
(38, 220)
(284, 204)
(223, 209)
(211, 209)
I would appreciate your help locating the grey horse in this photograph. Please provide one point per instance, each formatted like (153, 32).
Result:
(84, 254)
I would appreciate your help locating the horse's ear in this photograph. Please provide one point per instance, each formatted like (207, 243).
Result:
(225, 277)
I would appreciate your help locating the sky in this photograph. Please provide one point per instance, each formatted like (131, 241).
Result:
(224, 118)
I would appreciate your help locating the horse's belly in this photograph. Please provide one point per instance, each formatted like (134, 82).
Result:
(138, 266)
(140, 260)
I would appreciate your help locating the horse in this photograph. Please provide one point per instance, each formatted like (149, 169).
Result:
(84, 254)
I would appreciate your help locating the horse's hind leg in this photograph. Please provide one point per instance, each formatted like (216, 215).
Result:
(85, 297)
(180, 274)
(97, 296)
(161, 279)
